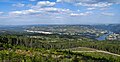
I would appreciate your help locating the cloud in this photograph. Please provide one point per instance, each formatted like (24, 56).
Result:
(107, 14)
(42, 11)
(89, 1)
(1, 13)
(58, 17)
(42, 7)
(92, 8)
(59, 1)
(54, 10)
(75, 1)
(100, 4)
(44, 4)
(23, 12)
(81, 14)
(19, 5)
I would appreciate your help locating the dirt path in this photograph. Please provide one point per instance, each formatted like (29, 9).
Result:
(93, 50)
(100, 52)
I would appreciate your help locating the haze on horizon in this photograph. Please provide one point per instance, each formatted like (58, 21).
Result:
(24, 12)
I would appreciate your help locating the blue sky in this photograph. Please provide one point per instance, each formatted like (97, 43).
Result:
(22, 12)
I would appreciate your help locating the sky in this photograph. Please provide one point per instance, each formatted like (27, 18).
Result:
(24, 12)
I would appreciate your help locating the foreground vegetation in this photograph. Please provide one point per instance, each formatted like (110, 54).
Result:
(49, 48)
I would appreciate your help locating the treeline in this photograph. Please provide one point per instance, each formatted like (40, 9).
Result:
(39, 43)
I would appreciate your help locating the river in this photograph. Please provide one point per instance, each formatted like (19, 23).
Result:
(103, 37)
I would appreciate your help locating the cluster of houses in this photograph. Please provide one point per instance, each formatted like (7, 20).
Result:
(113, 37)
